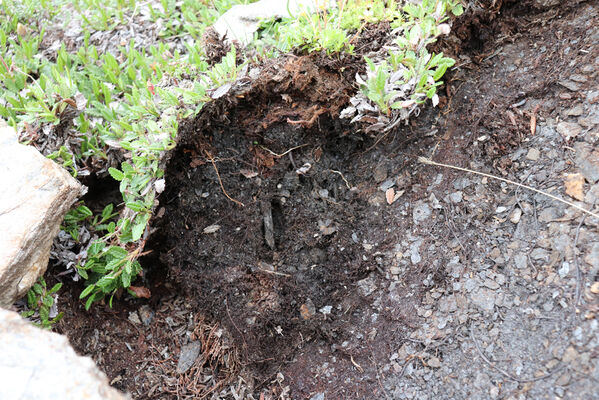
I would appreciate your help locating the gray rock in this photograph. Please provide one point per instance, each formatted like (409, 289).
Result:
(484, 299)
(587, 159)
(36, 194)
(41, 365)
(570, 85)
(568, 130)
(520, 260)
(367, 286)
(533, 154)
(317, 396)
(189, 354)
(145, 314)
(421, 212)
(575, 111)
(578, 78)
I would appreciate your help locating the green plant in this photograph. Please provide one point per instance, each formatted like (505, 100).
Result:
(407, 75)
(40, 303)
(332, 30)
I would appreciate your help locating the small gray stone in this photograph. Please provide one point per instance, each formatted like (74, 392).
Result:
(367, 286)
(421, 212)
(570, 85)
(533, 154)
(388, 184)
(434, 362)
(515, 215)
(520, 260)
(575, 111)
(455, 197)
(145, 314)
(317, 396)
(484, 299)
(587, 159)
(134, 318)
(578, 78)
(189, 353)
(470, 285)
(491, 284)
(568, 130)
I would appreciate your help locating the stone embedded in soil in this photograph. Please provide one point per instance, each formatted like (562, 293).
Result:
(568, 130)
(484, 299)
(421, 212)
(36, 194)
(41, 365)
(145, 314)
(570, 85)
(189, 354)
(533, 154)
(575, 111)
(587, 159)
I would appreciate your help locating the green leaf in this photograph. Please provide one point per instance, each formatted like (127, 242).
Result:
(48, 301)
(107, 212)
(37, 288)
(95, 248)
(87, 291)
(136, 206)
(31, 300)
(116, 174)
(44, 314)
(138, 230)
(117, 252)
(89, 301)
(126, 279)
(83, 273)
(458, 10)
(55, 288)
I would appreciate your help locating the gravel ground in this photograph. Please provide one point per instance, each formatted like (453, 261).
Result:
(518, 318)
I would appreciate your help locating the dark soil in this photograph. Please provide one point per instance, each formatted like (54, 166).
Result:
(273, 228)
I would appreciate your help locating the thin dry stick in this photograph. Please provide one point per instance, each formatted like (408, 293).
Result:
(288, 151)
(221, 183)
(425, 160)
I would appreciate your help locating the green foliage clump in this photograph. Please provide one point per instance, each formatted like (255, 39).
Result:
(40, 301)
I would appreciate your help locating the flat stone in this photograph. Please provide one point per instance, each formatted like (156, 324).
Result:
(484, 299)
(421, 212)
(36, 194)
(189, 354)
(575, 111)
(38, 364)
(570, 85)
(578, 78)
(515, 215)
(568, 130)
(533, 154)
(491, 284)
(587, 159)
(434, 362)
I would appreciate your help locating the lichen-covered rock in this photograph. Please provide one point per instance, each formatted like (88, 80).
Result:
(36, 194)
(37, 364)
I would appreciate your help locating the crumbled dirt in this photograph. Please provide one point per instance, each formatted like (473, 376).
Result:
(276, 248)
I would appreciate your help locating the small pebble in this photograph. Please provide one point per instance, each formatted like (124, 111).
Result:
(533, 154)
